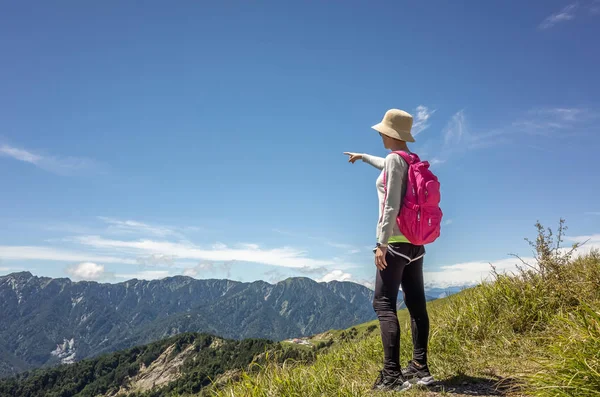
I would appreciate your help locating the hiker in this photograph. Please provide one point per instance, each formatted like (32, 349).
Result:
(398, 261)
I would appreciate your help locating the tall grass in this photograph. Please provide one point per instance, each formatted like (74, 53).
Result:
(572, 367)
(540, 325)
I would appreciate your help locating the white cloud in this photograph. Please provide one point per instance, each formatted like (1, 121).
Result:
(588, 239)
(209, 268)
(420, 122)
(350, 249)
(274, 276)
(284, 257)
(314, 271)
(144, 275)
(593, 213)
(448, 222)
(467, 273)
(19, 154)
(456, 128)
(338, 275)
(339, 245)
(369, 284)
(471, 273)
(250, 246)
(87, 271)
(548, 122)
(566, 14)
(57, 165)
(566, 114)
(53, 254)
(154, 260)
(130, 226)
(458, 138)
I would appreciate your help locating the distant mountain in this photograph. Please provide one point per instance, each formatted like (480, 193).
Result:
(46, 321)
(438, 293)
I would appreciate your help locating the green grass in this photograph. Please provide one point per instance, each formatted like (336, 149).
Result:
(533, 333)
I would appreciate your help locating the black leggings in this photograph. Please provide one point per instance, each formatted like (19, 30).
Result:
(406, 271)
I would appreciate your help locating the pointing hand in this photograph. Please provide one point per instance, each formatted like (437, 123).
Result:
(353, 157)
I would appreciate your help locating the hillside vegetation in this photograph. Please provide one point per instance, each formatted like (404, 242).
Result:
(536, 332)
(183, 364)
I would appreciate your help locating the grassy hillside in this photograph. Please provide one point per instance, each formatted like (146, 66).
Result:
(533, 333)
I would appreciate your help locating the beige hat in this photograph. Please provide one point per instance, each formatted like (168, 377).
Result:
(396, 124)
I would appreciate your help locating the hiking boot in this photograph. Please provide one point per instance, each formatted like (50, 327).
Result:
(417, 373)
(387, 382)
(378, 381)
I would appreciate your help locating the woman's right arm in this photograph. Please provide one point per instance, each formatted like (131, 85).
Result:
(377, 162)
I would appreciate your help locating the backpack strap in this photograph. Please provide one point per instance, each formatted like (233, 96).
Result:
(410, 158)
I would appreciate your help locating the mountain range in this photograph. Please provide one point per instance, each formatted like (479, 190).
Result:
(45, 321)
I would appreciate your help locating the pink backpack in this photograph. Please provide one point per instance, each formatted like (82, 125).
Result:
(420, 216)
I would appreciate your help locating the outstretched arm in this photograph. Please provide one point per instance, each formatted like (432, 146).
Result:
(377, 162)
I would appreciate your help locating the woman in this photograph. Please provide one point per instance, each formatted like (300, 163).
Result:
(398, 262)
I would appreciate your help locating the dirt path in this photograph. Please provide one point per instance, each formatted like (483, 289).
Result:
(471, 386)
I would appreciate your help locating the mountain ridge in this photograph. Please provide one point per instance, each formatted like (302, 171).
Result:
(48, 321)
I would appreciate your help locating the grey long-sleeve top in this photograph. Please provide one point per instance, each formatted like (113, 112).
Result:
(396, 170)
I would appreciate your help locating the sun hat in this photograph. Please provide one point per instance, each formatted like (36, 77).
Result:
(396, 124)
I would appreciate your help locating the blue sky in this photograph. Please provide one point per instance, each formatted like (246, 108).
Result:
(206, 139)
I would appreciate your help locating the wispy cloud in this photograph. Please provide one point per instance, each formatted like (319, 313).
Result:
(597, 213)
(55, 164)
(312, 270)
(206, 268)
(284, 257)
(19, 154)
(421, 119)
(458, 137)
(566, 14)
(58, 255)
(140, 228)
(571, 12)
(146, 251)
(350, 249)
(154, 260)
(448, 222)
(274, 276)
(456, 129)
(551, 121)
